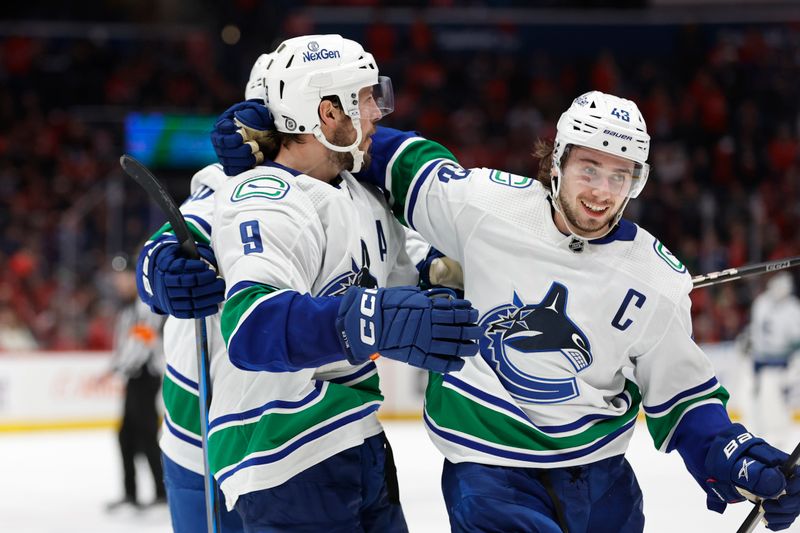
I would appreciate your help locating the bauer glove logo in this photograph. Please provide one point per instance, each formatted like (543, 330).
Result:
(734, 443)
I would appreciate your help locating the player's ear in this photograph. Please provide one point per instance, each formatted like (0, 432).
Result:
(328, 113)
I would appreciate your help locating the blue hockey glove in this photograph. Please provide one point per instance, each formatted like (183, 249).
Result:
(236, 133)
(781, 513)
(405, 324)
(737, 460)
(171, 284)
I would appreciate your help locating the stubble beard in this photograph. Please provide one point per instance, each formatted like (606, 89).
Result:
(571, 214)
(344, 160)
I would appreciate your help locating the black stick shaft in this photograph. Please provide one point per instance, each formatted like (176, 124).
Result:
(157, 192)
(731, 274)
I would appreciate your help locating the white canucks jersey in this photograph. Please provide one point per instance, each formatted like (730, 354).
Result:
(279, 233)
(181, 438)
(574, 342)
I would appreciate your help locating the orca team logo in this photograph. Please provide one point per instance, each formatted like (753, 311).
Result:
(355, 276)
(526, 345)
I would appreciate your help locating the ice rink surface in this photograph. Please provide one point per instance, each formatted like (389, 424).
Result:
(60, 482)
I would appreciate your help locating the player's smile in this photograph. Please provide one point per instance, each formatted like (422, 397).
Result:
(593, 209)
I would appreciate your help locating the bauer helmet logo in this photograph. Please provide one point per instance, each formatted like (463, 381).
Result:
(313, 46)
(291, 125)
(617, 135)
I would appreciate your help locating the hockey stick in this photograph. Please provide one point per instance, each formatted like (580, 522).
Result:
(731, 274)
(157, 192)
(757, 513)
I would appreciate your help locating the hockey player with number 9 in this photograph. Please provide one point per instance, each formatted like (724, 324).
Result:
(586, 321)
(293, 437)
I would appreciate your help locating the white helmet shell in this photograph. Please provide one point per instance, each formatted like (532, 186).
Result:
(257, 84)
(306, 69)
(609, 124)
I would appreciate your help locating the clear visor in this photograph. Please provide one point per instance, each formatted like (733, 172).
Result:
(376, 101)
(625, 179)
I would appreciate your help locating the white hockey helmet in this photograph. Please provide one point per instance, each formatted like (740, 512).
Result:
(780, 285)
(256, 88)
(304, 70)
(609, 124)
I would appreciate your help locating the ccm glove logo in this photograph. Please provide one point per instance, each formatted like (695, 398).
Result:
(366, 323)
(732, 446)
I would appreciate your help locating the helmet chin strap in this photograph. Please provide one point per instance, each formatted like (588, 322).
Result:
(358, 155)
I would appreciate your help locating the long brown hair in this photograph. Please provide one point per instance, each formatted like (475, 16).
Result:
(543, 151)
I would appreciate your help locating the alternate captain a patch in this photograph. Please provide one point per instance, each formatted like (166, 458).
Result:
(529, 346)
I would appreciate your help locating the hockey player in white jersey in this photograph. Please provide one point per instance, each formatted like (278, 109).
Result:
(774, 340)
(586, 319)
(283, 429)
(185, 289)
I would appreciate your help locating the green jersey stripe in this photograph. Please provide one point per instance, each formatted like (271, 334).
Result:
(273, 430)
(408, 163)
(237, 308)
(182, 406)
(452, 410)
(198, 234)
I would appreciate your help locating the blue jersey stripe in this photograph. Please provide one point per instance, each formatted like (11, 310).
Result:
(200, 222)
(272, 404)
(711, 383)
(412, 200)
(185, 438)
(291, 448)
(240, 286)
(526, 456)
(485, 396)
(180, 377)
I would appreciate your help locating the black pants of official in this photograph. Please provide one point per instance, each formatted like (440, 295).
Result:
(139, 432)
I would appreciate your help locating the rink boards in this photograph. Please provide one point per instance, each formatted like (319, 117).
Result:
(53, 390)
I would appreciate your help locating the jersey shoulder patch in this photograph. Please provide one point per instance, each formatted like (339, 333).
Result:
(653, 263)
(510, 180)
(668, 257)
(267, 186)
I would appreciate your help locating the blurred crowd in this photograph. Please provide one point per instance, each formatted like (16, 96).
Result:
(721, 105)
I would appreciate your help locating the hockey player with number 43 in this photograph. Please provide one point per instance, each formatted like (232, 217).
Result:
(586, 321)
